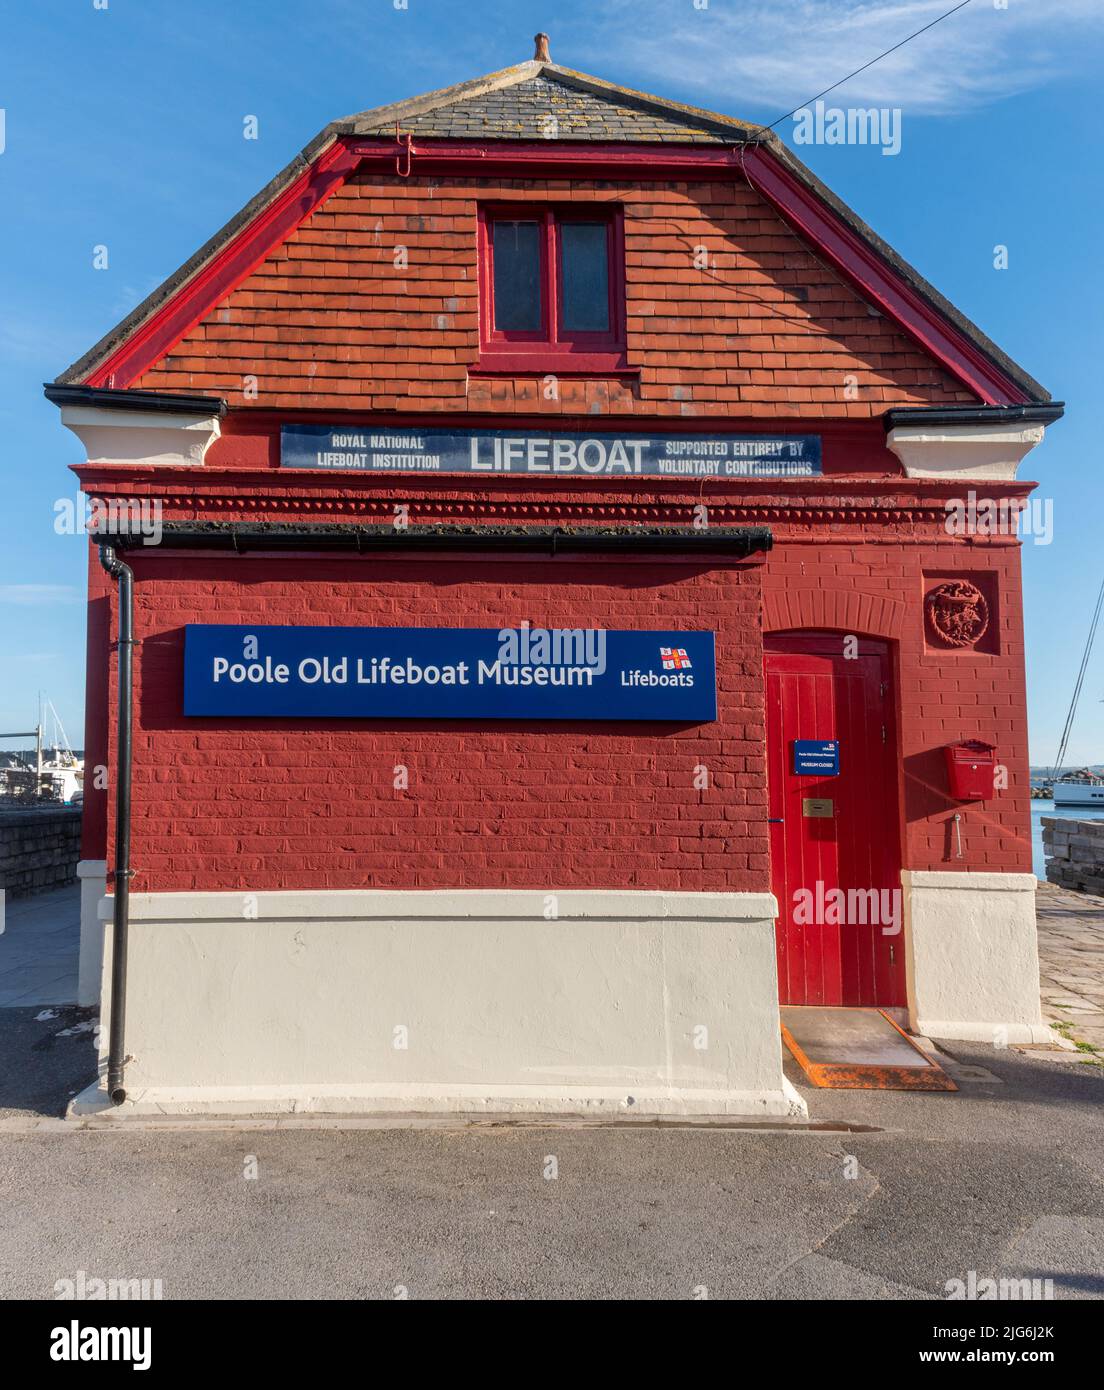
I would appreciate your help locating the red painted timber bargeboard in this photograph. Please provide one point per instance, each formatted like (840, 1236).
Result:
(877, 280)
(242, 254)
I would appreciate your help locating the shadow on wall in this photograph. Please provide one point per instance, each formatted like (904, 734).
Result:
(928, 799)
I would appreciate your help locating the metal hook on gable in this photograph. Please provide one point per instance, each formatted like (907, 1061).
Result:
(409, 147)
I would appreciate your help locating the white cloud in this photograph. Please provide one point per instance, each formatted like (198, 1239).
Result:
(27, 594)
(29, 341)
(129, 298)
(779, 55)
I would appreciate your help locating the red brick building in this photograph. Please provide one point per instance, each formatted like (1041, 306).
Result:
(719, 405)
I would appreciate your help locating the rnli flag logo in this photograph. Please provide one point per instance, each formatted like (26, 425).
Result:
(674, 658)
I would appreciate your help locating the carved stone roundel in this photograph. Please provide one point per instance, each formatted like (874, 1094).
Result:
(958, 613)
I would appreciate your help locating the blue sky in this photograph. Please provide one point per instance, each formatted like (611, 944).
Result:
(123, 127)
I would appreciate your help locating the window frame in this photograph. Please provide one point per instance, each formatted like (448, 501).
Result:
(552, 348)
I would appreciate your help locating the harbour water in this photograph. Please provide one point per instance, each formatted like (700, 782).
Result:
(1039, 809)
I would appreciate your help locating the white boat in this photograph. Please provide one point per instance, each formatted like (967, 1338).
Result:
(55, 774)
(1082, 790)
(62, 774)
(60, 771)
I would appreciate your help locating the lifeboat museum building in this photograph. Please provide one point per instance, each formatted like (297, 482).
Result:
(546, 627)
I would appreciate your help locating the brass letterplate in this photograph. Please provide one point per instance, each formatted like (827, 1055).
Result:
(819, 807)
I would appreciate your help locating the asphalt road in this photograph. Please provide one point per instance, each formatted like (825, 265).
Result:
(1005, 1178)
(46, 1057)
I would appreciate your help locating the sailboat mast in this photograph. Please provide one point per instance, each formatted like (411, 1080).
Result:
(1080, 681)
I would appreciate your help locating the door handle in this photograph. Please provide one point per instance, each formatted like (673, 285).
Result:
(774, 820)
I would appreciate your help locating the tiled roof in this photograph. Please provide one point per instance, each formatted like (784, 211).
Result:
(516, 103)
(542, 107)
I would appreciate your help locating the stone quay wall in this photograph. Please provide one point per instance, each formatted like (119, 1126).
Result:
(39, 848)
(1074, 852)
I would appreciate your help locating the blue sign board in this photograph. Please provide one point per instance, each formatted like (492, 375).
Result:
(362, 449)
(816, 757)
(448, 673)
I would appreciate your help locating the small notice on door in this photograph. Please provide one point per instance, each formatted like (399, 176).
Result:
(816, 757)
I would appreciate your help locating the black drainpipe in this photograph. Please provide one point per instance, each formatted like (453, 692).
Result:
(116, 1055)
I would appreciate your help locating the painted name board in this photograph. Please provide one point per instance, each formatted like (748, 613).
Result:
(448, 673)
(816, 757)
(563, 455)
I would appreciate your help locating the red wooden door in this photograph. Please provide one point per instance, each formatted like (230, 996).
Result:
(835, 856)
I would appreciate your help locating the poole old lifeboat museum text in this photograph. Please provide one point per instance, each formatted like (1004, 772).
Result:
(558, 653)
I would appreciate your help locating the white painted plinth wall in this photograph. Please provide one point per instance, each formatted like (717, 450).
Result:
(92, 874)
(501, 1010)
(973, 957)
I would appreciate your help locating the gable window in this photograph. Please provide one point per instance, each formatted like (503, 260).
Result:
(551, 288)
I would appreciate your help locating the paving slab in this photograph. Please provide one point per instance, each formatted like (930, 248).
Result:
(1071, 966)
(40, 949)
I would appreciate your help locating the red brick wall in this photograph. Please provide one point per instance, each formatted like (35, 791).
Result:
(248, 804)
(943, 694)
(856, 565)
(329, 322)
(98, 707)
(250, 440)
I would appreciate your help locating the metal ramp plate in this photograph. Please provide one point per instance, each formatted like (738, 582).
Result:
(858, 1049)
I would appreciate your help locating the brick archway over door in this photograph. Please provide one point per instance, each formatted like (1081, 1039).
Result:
(875, 615)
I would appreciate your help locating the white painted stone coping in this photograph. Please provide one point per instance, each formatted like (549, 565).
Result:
(969, 452)
(141, 436)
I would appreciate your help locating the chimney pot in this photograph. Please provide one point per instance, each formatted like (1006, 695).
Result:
(542, 54)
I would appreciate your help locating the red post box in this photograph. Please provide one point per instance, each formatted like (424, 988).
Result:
(971, 769)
